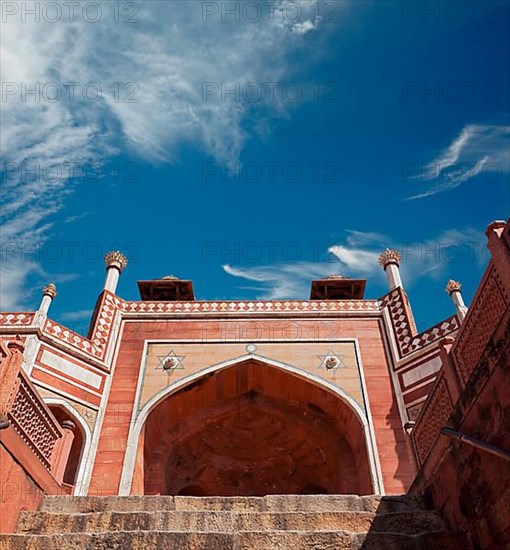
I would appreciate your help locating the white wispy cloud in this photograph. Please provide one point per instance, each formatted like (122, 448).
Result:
(479, 148)
(354, 260)
(356, 238)
(13, 275)
(77, 315)
(160, 65)
(436, 258)
(282, 281)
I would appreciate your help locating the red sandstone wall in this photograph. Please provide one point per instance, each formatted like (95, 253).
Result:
(17, 492)
(470, 486)
(393, 450)
(25, 468)
(24, 481)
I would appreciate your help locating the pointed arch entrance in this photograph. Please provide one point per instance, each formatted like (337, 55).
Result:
(76, 461)
(253, 429)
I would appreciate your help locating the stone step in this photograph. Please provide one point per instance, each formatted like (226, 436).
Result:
(244, 540)
(277, 503)
(220, 521)
(126, 540)
(338, 540)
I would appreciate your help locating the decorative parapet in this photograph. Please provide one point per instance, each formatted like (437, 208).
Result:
(71, 338)
(404, 328)
(435, 333)
(483, 318)
(95, 348)
(17, 318)
(250, 307)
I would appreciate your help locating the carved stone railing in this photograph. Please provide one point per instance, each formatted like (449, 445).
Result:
(487, 312)
(33, 422)
(22, 408)
(480, 324)
(432, 419)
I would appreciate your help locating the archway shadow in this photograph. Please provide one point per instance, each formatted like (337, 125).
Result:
(252, 429)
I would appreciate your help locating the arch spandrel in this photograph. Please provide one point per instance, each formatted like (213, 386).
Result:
(310, 359)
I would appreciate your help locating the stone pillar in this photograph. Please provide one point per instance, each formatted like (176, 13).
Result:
(115, 263)
(11, 356)
(453, 289)
(64, 450)
(49, 292)
(389, 261)
(32, 342)
(498, 242)
(450, 372)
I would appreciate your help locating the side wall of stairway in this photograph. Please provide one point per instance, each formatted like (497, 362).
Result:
(31, 448)
(18, 491)
(468, 484)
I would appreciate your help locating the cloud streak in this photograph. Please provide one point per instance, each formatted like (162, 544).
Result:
(478, 149)
(435, 259)
(150, 74)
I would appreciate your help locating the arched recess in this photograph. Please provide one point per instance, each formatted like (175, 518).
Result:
(80, 448)
(251, 427)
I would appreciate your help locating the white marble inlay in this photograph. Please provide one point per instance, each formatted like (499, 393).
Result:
(71, 369)
(418, 373)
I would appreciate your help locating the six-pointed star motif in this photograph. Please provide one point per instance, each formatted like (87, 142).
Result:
(170, 361)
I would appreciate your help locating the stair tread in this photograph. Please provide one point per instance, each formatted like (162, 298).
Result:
(366, 513)
(229, 521)
(244, 531)
(266, 503)
(243, 540)
(279, 522)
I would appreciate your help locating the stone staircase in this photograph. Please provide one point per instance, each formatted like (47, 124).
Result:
(296, 522)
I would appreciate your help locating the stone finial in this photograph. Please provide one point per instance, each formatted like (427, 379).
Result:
(115, 259)
(50, 290)
(453, 286)
(453, 289)
(494, 226)
(389, 257)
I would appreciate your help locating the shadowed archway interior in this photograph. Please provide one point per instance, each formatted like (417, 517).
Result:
(254, 429)
(73, 462)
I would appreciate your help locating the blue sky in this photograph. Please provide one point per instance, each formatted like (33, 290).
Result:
(400, 138)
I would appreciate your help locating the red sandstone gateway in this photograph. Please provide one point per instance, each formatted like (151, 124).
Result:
(262, 424)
